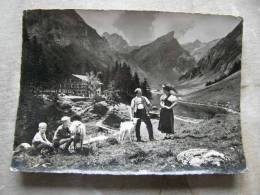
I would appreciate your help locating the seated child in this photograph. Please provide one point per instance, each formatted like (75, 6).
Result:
(40, 141)
(62, 135)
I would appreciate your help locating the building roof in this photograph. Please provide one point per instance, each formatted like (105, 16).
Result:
(83, 77)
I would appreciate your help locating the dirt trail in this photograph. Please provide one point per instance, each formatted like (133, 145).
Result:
(143, 130)
(187, 119)
(211, 106)
(144, 134)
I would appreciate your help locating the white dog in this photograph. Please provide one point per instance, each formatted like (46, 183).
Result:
(126, 128)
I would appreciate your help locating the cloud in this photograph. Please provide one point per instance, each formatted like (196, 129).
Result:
(189, 27)
(136, 26)
(209, 27)
(140, 28)
(102, 21)
(177, 22)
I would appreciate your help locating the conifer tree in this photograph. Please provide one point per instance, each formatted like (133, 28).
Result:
(136, 80)
(146, 89)
(124, 82)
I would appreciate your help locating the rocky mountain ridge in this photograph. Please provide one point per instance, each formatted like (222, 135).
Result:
(163, 59)
(118, 43)
(199, 49)
(57, 43)
(221, 60)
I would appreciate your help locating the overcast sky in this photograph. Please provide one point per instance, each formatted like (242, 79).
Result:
(140, 28)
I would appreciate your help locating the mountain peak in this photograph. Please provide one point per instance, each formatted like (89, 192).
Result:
(165, 38)
(199, 49)
(118, 43)
(114, 35)
(163, 59)
(169, 35)
(222, 57)
(105, 34)
(197, 41)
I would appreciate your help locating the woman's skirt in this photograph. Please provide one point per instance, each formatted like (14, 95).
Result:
(166, 123)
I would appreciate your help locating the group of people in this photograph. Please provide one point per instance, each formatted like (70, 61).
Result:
(72, 130)
(140, 107)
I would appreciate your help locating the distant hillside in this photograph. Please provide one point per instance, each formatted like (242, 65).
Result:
(222, 60)
(199, 49)
(57, 43)
(225, 93)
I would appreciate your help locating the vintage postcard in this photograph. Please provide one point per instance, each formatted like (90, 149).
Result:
(129, 92)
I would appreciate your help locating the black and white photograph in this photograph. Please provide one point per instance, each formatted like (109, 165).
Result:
(129, 93)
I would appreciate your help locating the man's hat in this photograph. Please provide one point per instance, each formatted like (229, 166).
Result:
(167, 87)
(65, 118)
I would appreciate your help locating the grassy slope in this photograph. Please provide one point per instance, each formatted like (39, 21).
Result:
(221, 133)
(225, 93)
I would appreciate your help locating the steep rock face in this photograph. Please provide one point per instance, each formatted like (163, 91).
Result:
(191, 46)
(164, 58)
(221, 60)
(199, 49)
(58, 43)
(118, 43)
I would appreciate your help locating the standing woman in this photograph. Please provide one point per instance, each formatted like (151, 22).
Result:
(167, 102)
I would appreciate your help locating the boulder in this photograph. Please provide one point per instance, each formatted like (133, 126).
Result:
(25, 148)
(100, 108)
(199, 157)
(76, 110)
(22, 147)
(64, 104)
(116, 116)
(112, 141)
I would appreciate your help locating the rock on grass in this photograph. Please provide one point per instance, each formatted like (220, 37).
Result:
(116, 116)
(199, 157)
(100, 108)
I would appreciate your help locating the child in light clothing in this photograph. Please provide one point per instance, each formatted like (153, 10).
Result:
(40, 140)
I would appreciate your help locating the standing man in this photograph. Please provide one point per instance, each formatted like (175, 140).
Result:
(140, 107)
